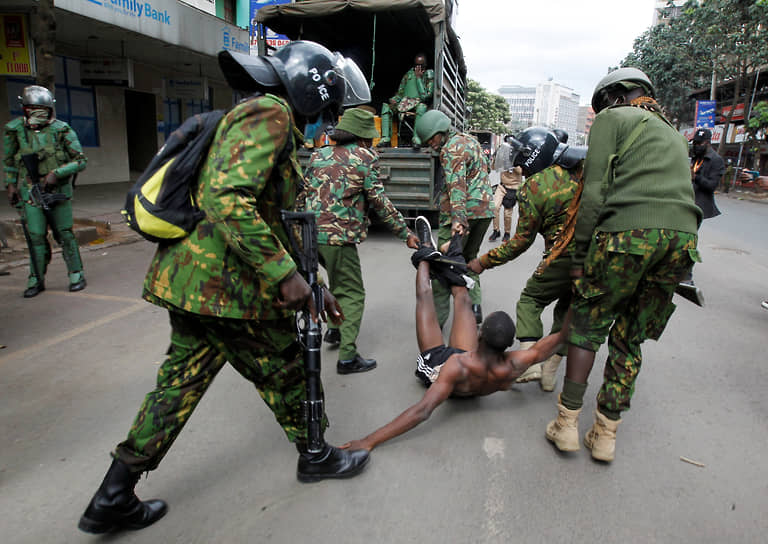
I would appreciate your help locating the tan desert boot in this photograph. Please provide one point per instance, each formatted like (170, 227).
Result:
(601, 438)
(549, 372)
(533, 372)
(564, 431)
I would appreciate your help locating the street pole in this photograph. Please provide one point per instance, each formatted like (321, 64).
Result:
(746, 120)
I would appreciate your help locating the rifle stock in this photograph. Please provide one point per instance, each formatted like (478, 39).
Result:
(309, 331)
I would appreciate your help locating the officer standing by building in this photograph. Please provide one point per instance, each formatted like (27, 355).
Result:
(635, 238)
(342, 185)
(231, 287)
(54, 146)
(466, 199)
(548, 202)
(505, 194)
(413, 95)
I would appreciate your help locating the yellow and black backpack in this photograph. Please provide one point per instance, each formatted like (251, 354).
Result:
(160, 206)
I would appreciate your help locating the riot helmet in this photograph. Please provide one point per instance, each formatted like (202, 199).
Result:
(535, 149)
(314, 78)
(571, 155)
(432, 122)
(619, 81)
(561, 135)
(36, 96)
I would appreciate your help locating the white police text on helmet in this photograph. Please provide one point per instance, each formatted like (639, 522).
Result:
(532, 157)
(321, 89)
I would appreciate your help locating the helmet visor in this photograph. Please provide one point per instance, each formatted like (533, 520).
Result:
(356, 89)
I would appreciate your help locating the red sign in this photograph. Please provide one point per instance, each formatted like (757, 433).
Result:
(738, 113)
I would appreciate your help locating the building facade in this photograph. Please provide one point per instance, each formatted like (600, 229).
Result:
(128, 72)
(548, 104)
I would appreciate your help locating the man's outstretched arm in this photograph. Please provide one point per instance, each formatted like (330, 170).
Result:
(419, 412)
(544, 348)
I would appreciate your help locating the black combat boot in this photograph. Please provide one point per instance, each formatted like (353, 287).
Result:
(35, 290)
(494, 236)
(332, 337)
(329, 463)
(115, 506)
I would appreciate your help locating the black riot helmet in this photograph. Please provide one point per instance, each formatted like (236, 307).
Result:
(534, 149)
(562, 136)
(314, 78)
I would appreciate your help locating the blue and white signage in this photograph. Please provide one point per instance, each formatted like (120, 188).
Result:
(705, 113)
(273, 39)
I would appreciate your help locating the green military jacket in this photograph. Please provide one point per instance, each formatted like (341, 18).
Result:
(467, 192)
(56, 146)
(342, 182)
(413, 90)
(543, 201)
(231, 264)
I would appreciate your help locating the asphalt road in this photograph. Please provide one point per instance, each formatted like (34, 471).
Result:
(77, 366)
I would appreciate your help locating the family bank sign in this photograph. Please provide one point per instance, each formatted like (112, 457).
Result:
(166, 20)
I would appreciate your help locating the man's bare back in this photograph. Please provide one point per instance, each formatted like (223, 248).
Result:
(476, 378)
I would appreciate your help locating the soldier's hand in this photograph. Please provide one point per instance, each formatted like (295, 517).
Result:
(294, 293)
(412, 241)
(332, 308)
(475, 266)
(418, 71)
(50, 181)
(13, 195)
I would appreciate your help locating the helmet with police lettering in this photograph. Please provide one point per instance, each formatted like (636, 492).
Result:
(432, 122)
(314, 78)
(621, 80)
(535, 149)
(36, 96)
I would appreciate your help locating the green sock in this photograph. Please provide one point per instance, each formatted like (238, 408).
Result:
(610, 414)
(572, 396)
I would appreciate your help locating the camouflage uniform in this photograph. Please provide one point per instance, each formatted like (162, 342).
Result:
(635, 238)
(220, 283)
(413, 94)
(465, 198)
(59, 150)
(342, 183)
(543, 201)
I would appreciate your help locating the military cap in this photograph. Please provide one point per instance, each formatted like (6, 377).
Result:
(359, 122)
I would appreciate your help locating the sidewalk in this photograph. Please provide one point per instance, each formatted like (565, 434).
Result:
(98, 222)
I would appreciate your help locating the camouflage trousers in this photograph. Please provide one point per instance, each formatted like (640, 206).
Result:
(554, 284)
(626, 294)
(263, 352)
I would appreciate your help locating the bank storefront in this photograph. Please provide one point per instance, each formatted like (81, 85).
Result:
(127, 72)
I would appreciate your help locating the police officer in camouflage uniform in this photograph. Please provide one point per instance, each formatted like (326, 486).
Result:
(342, 184)
(413, 95)
(635, 238)
(466, 199)
(231, 287)
(60, 157)
(548, 201)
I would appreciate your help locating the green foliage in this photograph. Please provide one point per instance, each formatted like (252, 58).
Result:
(758, 120)
(724, 36)
(486, 111)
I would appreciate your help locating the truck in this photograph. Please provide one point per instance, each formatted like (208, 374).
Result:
(383, 37)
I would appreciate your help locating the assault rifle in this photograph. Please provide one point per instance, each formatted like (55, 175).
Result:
(691, 293)
(45, 201)
(309, 331)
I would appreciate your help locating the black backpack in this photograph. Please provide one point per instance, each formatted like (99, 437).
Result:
(160, 206)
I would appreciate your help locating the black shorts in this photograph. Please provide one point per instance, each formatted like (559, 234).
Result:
(428, 363)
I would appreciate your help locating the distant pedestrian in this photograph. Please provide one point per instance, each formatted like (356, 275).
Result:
(707, 169)
(505, 193)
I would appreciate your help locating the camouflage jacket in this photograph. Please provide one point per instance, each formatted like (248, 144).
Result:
(56, 145)
(231, 264)
(543, 201)
(467, 192)
(413, 87)
(342, 182)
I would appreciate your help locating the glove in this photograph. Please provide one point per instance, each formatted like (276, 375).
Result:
(13, 195)
(49, 183)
